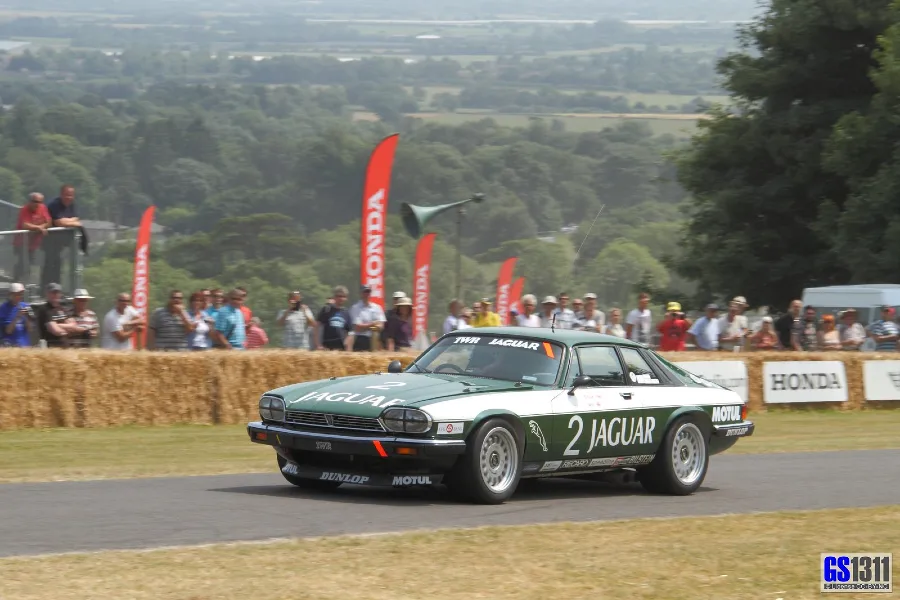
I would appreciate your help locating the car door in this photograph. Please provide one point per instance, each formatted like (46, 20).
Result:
(654, 392)
(593, 425)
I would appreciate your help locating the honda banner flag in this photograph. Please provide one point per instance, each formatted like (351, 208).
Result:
(140, 286)
(504, 283)
(422, 286)
(374, 216)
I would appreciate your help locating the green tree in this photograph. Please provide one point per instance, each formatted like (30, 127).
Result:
(756, 176)
(863, 150)
(619, 268)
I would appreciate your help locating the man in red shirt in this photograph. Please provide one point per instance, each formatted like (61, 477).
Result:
(34, 217)
(673, 329)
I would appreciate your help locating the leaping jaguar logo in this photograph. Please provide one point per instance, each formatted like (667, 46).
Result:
(536, 430)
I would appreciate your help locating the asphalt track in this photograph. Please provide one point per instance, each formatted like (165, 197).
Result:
(44, 518)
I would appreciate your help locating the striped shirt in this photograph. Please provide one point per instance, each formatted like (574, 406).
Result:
(87, 320)
(169, 330)
(885, 328)
(256, 337)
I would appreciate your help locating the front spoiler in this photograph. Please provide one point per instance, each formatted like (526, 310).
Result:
(357, 478)
(384, 446)
(733, 430)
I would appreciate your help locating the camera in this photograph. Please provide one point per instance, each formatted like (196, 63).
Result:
(295, 306)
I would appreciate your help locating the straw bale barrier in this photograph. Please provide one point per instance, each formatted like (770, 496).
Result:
(96, 388)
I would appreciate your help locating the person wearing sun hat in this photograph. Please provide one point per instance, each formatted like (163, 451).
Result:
(398, 332)
(673, 329)
(85, 319)
(485, 317)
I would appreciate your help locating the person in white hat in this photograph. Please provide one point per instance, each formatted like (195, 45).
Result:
(14, 323)
(549, 311)
(398, 334)
(85, 319)
(397, 296)
(590, 319)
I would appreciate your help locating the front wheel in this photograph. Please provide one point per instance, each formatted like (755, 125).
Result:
(680, 466)
(490, 469)
(301, 482)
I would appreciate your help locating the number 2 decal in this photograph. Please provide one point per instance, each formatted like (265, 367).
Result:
(386, 385)
(575, 419)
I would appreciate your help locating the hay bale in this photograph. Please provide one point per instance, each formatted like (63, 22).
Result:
(40, 388)
(96, 388)
(145, 388)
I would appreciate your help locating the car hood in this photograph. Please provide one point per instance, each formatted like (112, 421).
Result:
(368, 395)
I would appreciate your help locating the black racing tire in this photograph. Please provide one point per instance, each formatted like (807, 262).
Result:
(302, 482)
(682, 461)
(490, 470)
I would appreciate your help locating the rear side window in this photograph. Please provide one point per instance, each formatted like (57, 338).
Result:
(639, 370)
(681, 375)
(600, 363)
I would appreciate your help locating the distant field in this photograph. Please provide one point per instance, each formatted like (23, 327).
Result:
(661, 100)
(675, 124)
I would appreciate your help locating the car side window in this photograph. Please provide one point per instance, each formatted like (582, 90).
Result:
(639, 370)
(600, 363)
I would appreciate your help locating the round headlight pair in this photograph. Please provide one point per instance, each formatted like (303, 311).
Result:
(406, 420)
(271, 408)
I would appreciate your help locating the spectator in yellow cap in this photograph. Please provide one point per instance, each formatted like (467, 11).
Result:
(485, 317)
(673, 329)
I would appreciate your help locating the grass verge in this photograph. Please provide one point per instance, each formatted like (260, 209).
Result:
(123, 452)
(728, 557)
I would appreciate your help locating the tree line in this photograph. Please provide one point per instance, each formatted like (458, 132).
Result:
(648, 71)
(260, 186)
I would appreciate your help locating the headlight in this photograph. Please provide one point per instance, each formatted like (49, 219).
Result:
(271, 408)
(406, 420)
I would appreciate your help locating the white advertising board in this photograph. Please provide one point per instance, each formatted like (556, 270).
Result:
(881, 379)
(728, 373)
(804, 381)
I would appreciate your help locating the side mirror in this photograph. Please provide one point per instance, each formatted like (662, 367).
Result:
(580, 381)
(395, 367)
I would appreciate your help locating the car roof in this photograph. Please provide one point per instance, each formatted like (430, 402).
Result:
(569, 337)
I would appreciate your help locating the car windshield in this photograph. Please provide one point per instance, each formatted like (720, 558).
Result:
(527, 360)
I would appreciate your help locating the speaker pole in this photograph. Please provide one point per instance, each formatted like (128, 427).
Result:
(459, 219)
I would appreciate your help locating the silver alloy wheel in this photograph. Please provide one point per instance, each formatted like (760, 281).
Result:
(499, 459)
(688, 453)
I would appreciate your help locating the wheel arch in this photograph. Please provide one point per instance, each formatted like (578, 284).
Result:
(513, 419)
(701, 415)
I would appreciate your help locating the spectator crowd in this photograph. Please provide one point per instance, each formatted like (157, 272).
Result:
(210, 319)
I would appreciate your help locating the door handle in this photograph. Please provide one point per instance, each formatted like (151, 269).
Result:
(626, 395)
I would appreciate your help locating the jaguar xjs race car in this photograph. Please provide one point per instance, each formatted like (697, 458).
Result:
(483, 408)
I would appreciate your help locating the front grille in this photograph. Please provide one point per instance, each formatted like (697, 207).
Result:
(311, 419)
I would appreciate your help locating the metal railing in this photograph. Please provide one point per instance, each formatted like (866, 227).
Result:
(54, 257)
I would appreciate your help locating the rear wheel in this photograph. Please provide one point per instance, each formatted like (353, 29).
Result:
(680, 465)
(490, 469)
(310, 484)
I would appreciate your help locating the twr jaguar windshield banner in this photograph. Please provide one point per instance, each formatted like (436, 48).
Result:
(504, 285)
(515, 298)
(422, 276)
(374, 216)
(140, 286)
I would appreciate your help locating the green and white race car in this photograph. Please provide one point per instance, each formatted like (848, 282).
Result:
(483, 408)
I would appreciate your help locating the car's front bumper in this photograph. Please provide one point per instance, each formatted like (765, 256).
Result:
(383, 446)
(375, 460)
